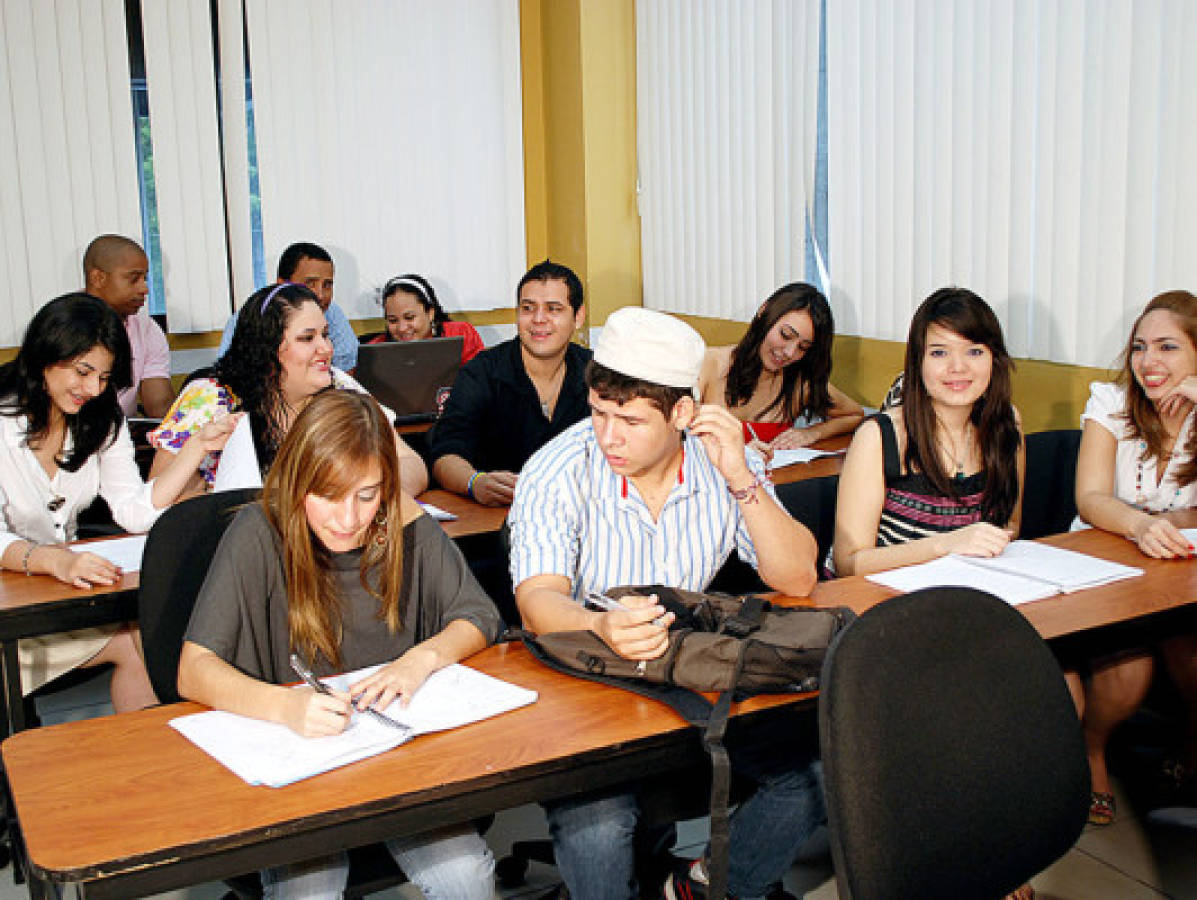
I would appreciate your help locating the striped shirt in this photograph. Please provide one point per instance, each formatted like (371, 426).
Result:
(574, 516)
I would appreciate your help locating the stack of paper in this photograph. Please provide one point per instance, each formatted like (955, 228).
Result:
(782, 458)
(124, 552)
(274, 755)
(441, 515)
(1026, 570)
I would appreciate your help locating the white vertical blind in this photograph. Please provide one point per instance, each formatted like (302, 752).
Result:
(1034, 151)
(66, 147)
(726, 138)
(391, 133)
(235, 147)
(181, 81)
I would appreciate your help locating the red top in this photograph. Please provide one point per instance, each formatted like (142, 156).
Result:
(766, 432)
(471, 344)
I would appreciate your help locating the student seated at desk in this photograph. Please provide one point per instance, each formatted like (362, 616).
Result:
(280, 357)
(413, 313)
(1138, 463)
(655, 489)
(777, 380)
(942, 472)
(340, 566)
(63, 441)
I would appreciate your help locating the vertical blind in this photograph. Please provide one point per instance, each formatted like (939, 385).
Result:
(1035, 152)
(726, 139)
(181, 82)
(391, 133)
(66, 147)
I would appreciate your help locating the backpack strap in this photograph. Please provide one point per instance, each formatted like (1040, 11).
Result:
(746, 620)
(712, 739)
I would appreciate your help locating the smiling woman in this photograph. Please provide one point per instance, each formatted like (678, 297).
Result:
(279, 358)
(413, 313)
(777, 379)
(63, 441)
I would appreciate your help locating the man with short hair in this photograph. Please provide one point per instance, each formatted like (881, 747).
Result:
(510, 399)
(310, 265)
(655, 489)
(115, 270)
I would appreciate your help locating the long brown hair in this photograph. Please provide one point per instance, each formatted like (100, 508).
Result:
(1140, 412)
(804, 382)
(336, 438)
(963, 312)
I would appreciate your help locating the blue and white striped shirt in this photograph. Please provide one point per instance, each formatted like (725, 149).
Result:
(571, 517)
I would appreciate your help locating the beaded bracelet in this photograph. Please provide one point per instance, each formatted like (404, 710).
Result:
(747, 494)
(28, 553)
(470, 484)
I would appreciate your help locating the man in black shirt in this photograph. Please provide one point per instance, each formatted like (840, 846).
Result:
(513, 398)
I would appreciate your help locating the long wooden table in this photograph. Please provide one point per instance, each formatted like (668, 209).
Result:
(124, 806)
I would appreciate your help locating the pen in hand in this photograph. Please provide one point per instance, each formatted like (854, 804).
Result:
(321, 688)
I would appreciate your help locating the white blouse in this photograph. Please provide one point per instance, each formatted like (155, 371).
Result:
(1135, 477)
(27, 493)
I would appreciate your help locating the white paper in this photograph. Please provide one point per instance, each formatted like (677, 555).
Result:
(124, 552)
(1066, 569)
(1025, 571)
(272, 754)
(1191, 534)
(238, 461)
(782, 458)
(954, 570)
(436, 512)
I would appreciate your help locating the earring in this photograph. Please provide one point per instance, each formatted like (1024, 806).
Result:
(380, 525)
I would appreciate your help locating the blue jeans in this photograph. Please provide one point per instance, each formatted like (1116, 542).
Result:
(450, 864)
(593, 834)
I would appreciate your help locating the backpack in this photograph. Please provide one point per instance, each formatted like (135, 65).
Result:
(737, 646)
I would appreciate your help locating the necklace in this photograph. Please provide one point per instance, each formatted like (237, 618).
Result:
(958, 463)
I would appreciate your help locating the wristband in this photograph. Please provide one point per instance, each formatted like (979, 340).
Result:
(746, 494)
(25, 558)
(470, 484)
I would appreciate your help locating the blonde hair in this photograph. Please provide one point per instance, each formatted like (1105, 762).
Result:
(337, 437)
(1141, 414)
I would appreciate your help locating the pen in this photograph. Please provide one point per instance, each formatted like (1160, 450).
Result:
(605, 603)
(321, 688)
(752, 431)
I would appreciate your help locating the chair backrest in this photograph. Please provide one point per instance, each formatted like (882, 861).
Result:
(1049, 489)
(177, 553)
(812, 502)
(953, 759)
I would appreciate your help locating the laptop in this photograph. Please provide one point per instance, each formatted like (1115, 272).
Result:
(411, 377)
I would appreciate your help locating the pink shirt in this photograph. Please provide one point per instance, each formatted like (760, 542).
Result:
(151, 357)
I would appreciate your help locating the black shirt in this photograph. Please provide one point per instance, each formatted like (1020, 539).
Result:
(493, 418)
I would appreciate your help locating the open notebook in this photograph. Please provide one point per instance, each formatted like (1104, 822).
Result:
(274, 755)
(1026, 570)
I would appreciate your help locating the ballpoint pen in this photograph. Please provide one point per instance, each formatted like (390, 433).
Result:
(321, 688)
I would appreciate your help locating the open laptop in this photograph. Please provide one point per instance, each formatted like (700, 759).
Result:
(411, 377)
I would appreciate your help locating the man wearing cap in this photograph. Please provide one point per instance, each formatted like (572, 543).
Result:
(655, 489)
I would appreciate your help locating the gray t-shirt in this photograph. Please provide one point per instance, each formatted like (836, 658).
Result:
(241, 612)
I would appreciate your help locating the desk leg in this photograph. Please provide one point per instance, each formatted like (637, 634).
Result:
(13, 718)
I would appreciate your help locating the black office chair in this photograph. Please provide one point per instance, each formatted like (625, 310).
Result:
(177, 554)
(1049, 488)
(812, 502)
(952, 756)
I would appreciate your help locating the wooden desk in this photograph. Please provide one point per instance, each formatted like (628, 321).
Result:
(1166, 585)
(125, 806)
(472, 518)
(414, 428)
(816, 468)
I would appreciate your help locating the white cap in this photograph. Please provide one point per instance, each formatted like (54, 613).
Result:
(652, 346)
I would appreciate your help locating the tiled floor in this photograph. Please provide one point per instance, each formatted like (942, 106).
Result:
(1129, 860)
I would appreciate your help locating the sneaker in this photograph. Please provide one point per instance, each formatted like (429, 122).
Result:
(688, 884)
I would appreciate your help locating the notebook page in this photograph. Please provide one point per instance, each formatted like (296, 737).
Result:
(124, 552)
(954, 570)
(797, 455)
(272, 754)
(1068, 570)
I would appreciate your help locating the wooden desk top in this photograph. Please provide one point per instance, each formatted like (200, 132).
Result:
(816, 468)
(77, 786)
(1173, 584)
(472, 518)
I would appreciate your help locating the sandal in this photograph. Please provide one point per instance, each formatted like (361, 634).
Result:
(1101, 808)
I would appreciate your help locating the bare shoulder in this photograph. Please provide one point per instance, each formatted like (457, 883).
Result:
(713, 375)
(409, 509)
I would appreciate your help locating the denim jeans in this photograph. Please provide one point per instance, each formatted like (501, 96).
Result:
(593, 834)
(450, 864)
